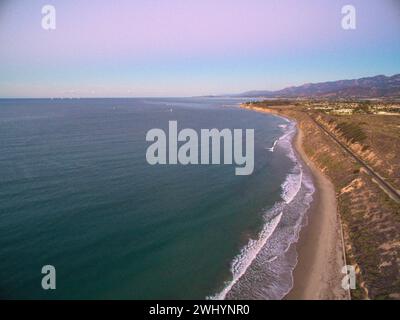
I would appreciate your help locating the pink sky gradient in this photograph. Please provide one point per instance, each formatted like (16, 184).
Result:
(126, 41)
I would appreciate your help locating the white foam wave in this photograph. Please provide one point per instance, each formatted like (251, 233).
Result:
(243, 261)
(273, 146)
(291, 186)
(289, 130)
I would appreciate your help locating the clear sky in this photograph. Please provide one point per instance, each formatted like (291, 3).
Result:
(190, 47)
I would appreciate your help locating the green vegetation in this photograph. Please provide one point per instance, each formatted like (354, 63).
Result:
(363, 108)
(269, 103)
(335, 107)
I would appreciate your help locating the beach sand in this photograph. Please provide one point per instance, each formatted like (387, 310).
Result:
(317, 274)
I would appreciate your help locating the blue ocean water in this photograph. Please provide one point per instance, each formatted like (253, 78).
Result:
(77, 193)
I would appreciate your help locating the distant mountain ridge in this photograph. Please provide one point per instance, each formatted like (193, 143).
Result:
(380, 86)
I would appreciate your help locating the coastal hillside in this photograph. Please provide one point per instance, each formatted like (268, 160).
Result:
(370, 215)
(379, 86)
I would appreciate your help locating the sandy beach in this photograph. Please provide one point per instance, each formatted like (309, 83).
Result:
(318, 272)
(320, 252)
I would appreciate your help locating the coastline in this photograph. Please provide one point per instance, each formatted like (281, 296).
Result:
(317, 274)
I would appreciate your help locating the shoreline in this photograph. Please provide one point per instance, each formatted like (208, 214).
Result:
(317, 274)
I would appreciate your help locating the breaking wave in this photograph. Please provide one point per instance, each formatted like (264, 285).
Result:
(263, 268)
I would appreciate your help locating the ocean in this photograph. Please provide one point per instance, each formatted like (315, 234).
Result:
(77, 193)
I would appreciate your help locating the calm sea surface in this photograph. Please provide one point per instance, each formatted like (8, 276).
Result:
(77, 193)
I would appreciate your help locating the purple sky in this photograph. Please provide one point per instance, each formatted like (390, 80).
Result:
(185, 47)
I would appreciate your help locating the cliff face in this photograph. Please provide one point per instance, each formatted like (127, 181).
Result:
(380, 144)
(371, 220)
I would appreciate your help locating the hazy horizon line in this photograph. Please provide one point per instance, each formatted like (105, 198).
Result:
(230, 95)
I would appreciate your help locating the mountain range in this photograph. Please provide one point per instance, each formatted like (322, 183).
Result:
(380, 86)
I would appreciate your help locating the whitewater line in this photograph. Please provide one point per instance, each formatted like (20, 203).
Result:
(262, 241)
(252, 249)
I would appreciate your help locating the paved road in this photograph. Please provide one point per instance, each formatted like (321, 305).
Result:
(391, 191)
